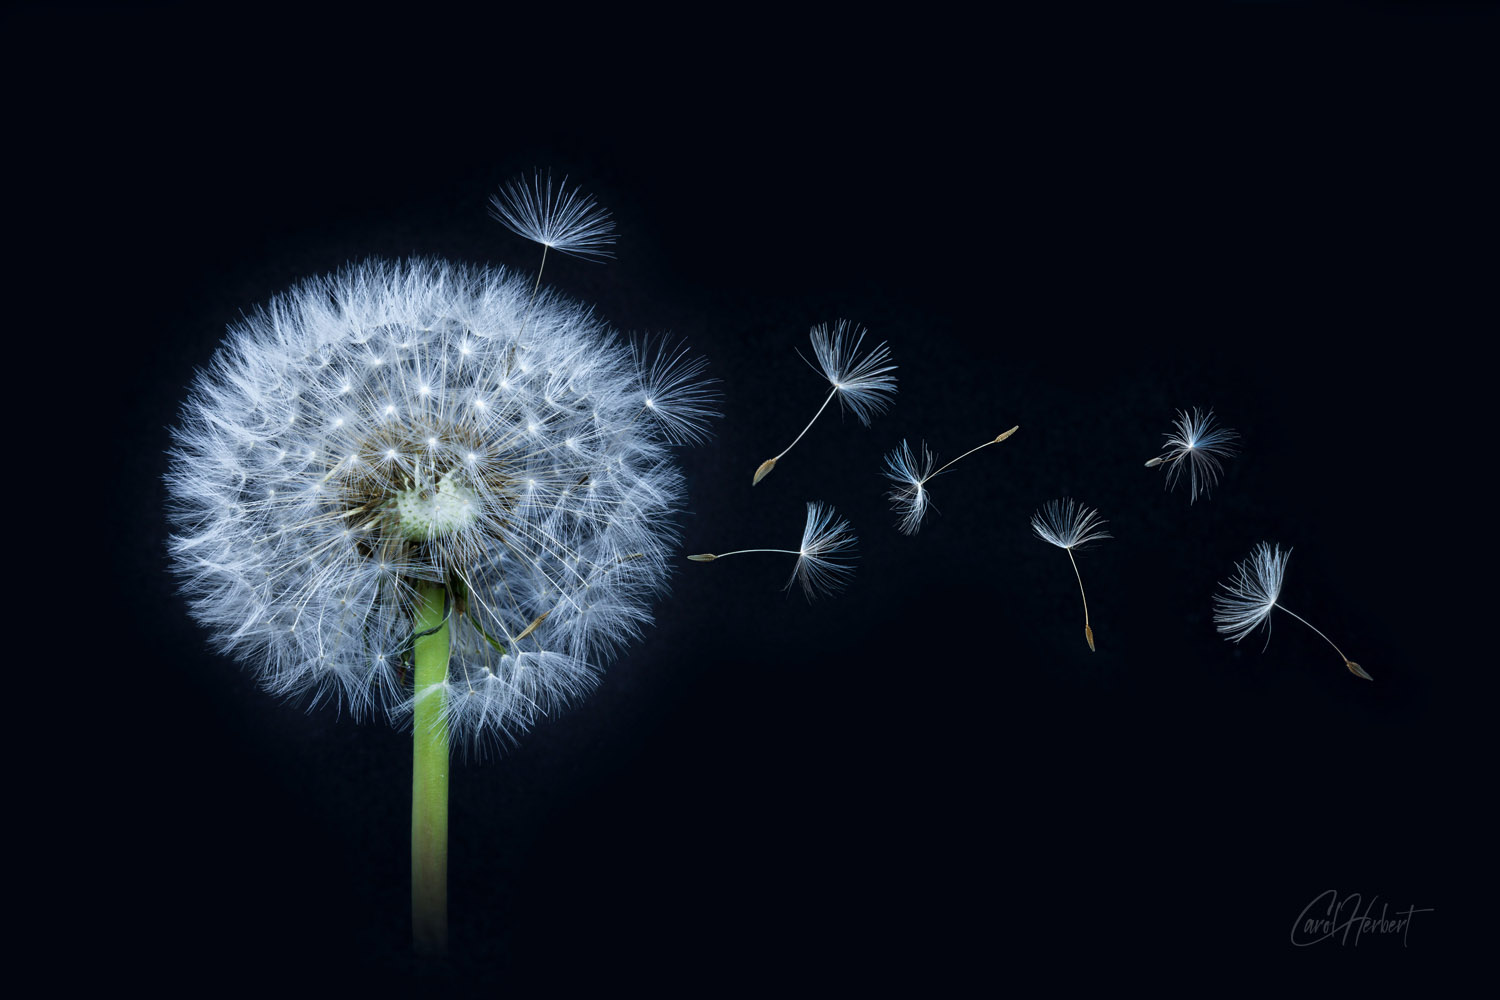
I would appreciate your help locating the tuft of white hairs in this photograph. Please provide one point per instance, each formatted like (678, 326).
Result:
(569, 222)
(1068, 524)
(674, 389)
(1195, 449)
(391, 424)
(908, 472)
(864, 384)
(909, 475)
(824, 560)
(1251, 593)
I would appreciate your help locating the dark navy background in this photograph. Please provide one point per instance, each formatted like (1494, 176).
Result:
(928, 781)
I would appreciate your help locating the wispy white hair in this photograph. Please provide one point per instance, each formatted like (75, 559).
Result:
(1068, 524)
(569, 222)
(865, 384)
(908, 472)
(674, 389)
(824, 558)
(391, 424)
(1195, 448)
(1247, 599)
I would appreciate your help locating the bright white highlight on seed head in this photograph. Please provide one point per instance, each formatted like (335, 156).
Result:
(300, 543)
(1195, 448)
(677, 395)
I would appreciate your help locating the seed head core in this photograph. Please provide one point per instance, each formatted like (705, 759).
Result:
(423, 513)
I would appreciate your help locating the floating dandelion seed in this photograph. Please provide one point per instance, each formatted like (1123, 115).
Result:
(568, 221)
(827, 542)
(1070, 525)
(1251, 593)
(1195, 446)
(863, 384)
(674, 390)
(910, 474)
(383, 496)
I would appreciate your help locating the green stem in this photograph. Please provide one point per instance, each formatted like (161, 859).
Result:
(429, 776)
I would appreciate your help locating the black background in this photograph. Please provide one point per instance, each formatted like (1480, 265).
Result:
(927, 781)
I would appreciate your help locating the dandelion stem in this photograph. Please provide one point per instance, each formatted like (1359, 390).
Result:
(995, 440)
(740, 552)
(1088, 632)
(540, 268)
(429, 775)
(814, 420)
(1354, 668)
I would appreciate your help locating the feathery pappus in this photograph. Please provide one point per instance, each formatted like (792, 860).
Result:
(569, 222)
(1254, 591)
(410, 422)
(823, 563)
(1195, 449)
(1070, 525)
(863, 383)
(909, 475)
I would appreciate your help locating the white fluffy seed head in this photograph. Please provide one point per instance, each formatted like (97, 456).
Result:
(864, 384)
(1195, 449)
(908, 472)
(825, 557)
(1247, 599)
(394, 423)
(566, 221)
(1068, 524)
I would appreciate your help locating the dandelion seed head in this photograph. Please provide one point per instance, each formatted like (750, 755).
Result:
(825, 557)
(1246, 600)
(1068, 524)
(864, 384)
(312, 491)
(562, 220)
(674, 389)
(908, 472)
(1195, 450)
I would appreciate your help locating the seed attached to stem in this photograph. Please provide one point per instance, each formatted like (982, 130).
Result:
(864, 385)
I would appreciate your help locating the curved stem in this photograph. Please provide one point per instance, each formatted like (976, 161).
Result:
(429, 775)
(541, 267)
(963, 456)
(1315, 629)
(1088, 632)
(814, 420)
(740, 552)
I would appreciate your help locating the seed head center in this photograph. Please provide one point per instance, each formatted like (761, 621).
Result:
(426, 512)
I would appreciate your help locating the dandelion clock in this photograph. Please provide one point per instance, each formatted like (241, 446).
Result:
(433, 494)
